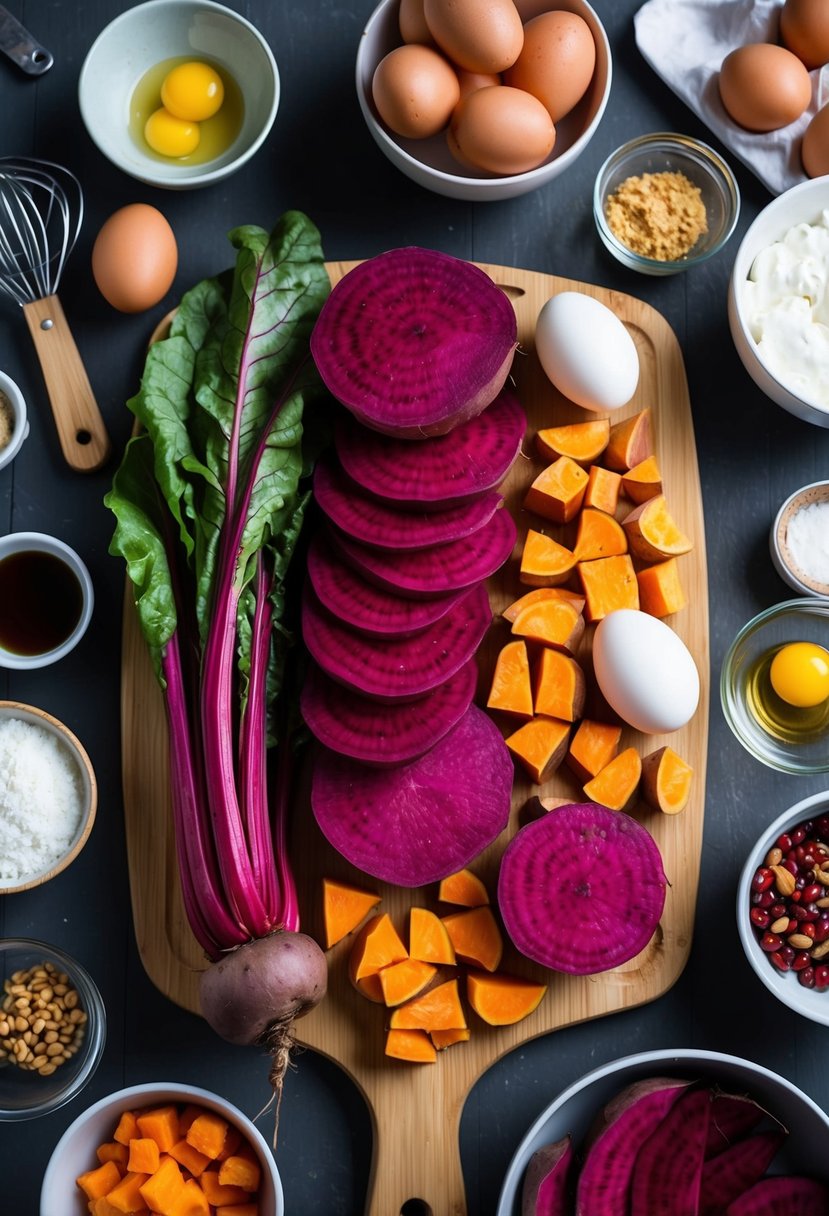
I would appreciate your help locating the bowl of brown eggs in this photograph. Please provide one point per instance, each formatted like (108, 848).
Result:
(483, 105)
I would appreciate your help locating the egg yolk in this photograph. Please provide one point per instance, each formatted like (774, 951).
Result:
(171, 136)
(193, 91)
(799, 674)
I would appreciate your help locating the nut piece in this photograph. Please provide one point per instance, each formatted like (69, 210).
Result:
(41, 1021)
(800, 941)
(784, 880)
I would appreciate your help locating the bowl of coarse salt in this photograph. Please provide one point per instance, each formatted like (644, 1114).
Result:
(799, 540)
(48, 797)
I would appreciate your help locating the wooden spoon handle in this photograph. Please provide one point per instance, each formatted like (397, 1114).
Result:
(81, 431)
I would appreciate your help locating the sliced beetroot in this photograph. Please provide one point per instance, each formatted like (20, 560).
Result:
(417, 823)
(544, 1192)
(586, 865)
(783, 1195)
(396, 669)
(629, 1120)
(382, 526)
(413, 342)
(732, 1117)
(668, 1168)
(364, 607)
(728, 1175)
(385, 734)
(437, 571)
(471, 459)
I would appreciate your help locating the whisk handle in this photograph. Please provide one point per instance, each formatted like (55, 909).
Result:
(81, 431)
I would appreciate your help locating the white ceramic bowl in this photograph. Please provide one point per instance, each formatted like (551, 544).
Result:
(150, 33)
(89, 794)
(783, 984)
(41, 542)
(801, 204)
(782, 556)
(75, 1151)
(429, 162)
(25, 1093)
(20, 424)
(574, 1110)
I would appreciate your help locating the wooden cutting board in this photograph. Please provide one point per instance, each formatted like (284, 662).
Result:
(416, 1108)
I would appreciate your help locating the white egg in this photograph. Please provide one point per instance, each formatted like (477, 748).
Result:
(586, 351)
(645, 671)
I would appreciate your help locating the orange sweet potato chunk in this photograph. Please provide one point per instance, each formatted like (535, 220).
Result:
(592, 747)
(240, 1171)
(544, 562)
(464, 888)
(428, 940)
(162, 1188)
(629, 443)
(412, 1045)
(192, 1160)
(660, 589)
(404, 980)
(617, 784)
(643, 481)
(560, 687)
(377, 945)
(598, 535)
(514, 610)
(476, 937)
(511, 691)
(144, 1156)
(127, 1128)
(666, 781)
(344, 908)
(608, 583)
(603, 487)
(102, 1207)
(583, 442)
(100, 1180)
(438, 1009)
(540, 745)
(653, 533)
(159, 1124)
(556, 622)
(207, 1134)
(126, 1197)
(501, 999)
(445, 1038)
(238, 1209)
(113, 1151)
(557, 491)
(217, 1194)
(191, 1201)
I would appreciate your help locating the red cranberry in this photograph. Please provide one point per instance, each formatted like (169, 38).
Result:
(808, 930)
(807, 977)
(800, 833)
(770, 942)
(822, 976)
(779, 961)
(784, 842)
(763, 879)
(760, 918)
(778, 909)
(801, 959)
(812, 911)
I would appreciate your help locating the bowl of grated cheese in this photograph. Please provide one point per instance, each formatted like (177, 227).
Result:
(48, 797)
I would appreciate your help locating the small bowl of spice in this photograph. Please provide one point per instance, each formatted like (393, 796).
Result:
(799, 540)
(774, 686)
(14, 426)
(52, 1028)
(783, 907)
(664, 203)
(46, 599)
(48, 797)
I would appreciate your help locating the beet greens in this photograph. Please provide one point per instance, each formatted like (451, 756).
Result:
(209, 502)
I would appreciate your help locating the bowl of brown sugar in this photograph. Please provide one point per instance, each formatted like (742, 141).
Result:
(665, 202)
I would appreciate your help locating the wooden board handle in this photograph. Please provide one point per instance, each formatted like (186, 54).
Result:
(81, 431)
(416, 1160)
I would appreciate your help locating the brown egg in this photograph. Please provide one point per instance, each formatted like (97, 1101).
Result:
(479, 35)
(470, 81)
(501, 130)
(814, 149)
(763, 86)
(134, 258)
(413, 27)
(415, 90)
(556, 62)
(804, 29)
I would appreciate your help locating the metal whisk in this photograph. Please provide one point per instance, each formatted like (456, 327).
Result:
(41, 210)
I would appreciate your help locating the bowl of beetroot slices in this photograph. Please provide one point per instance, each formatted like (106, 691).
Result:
(750, 1142)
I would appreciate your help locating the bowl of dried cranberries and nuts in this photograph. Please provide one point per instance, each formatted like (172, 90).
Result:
(783, 908)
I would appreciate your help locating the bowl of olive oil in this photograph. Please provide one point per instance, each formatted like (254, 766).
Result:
(46, 600)
(774, 686)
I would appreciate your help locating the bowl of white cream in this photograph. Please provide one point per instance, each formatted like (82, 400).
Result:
(48, 797)
(778, 301)
(799, 540)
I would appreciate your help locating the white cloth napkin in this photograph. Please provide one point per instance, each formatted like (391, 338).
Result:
(685, 41)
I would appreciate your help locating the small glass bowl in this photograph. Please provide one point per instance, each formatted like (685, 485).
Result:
(24, 1093)
(803, 620)
(663, 152)
(781, 551)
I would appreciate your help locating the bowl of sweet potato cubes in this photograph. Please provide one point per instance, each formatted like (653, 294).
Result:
(163, 1148)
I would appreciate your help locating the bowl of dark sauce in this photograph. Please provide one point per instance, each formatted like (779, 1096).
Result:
(46, 599)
